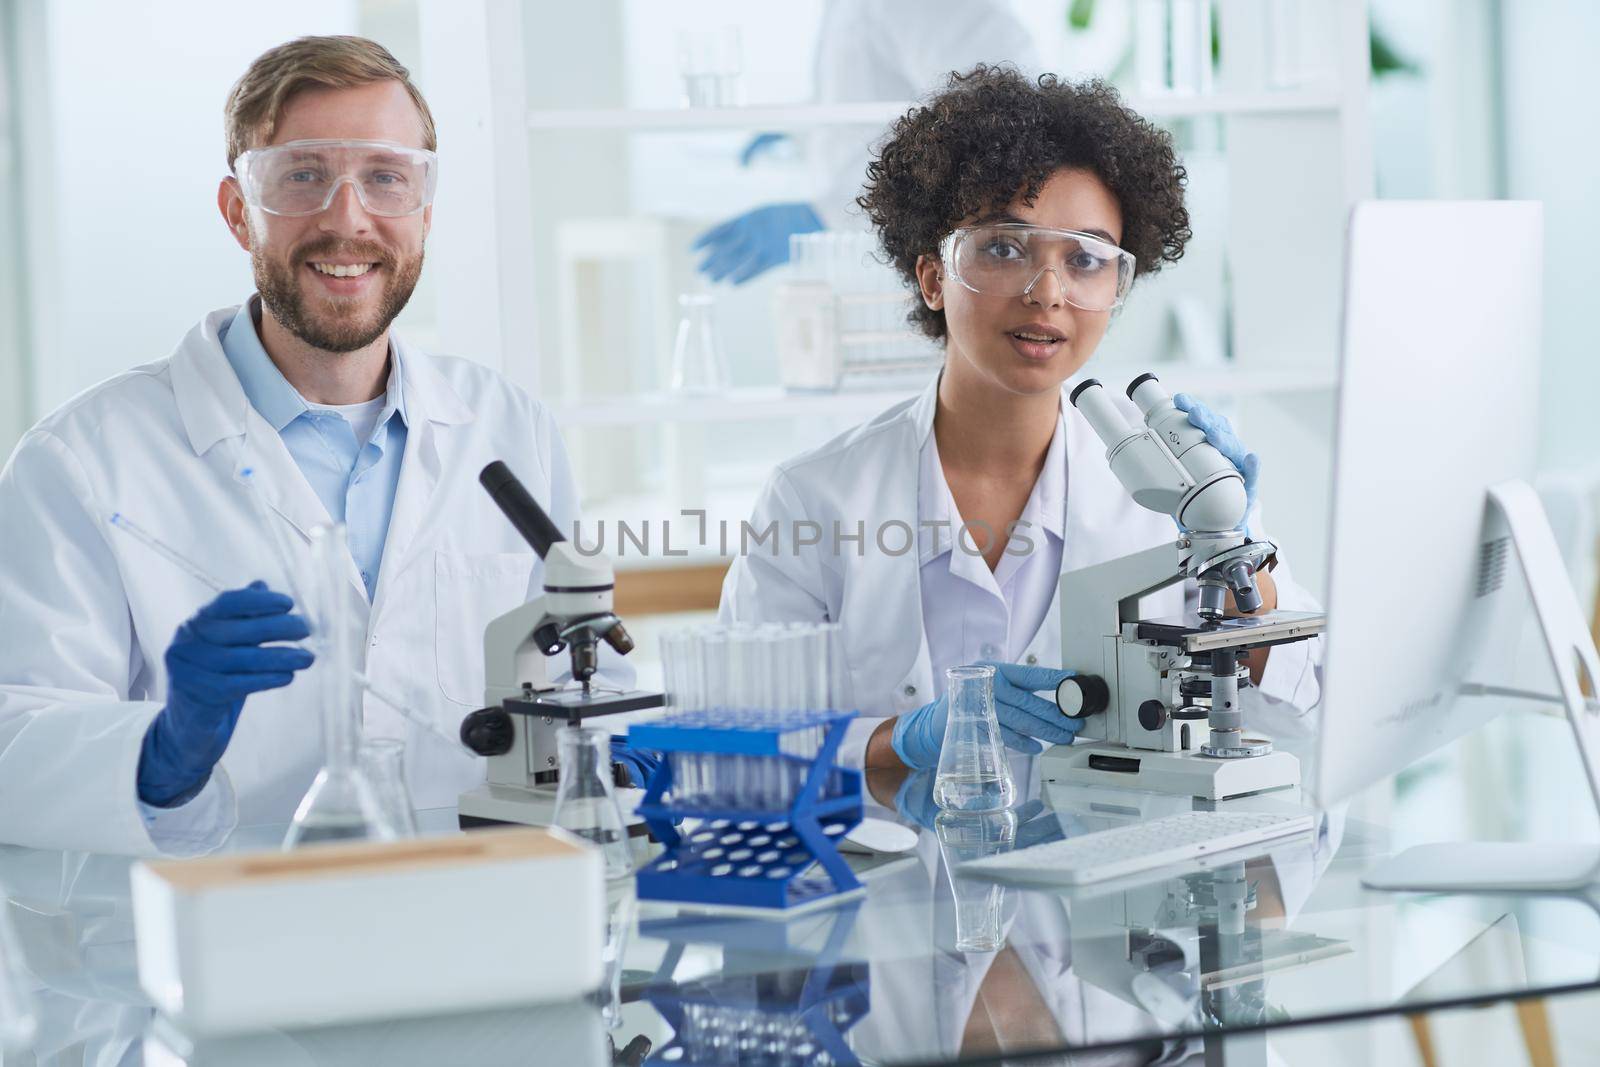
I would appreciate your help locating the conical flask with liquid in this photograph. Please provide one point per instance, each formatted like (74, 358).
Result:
(341, 804)
(586, 802)
(974, 774)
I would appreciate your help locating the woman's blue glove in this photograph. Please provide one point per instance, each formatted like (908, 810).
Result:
(914, 801)
(744, 246)
(216, 659)
(918, 735)
(639, 764)
(1220, 436)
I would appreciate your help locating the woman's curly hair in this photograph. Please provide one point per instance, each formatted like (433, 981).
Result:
(992, 134)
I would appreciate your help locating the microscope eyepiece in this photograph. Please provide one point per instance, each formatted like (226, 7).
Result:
(519, 506)
(1087, 383)
(1133, 386)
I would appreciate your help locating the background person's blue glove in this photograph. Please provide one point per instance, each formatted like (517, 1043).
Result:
(761, 142)
(918, 735)
(216, 659)
(1220, 436)
(744, 246)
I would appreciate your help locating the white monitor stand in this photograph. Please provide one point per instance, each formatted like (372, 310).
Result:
(1509, 866)
(1436, 439)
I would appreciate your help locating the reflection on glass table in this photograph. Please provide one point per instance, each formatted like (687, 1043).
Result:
(1164, 965)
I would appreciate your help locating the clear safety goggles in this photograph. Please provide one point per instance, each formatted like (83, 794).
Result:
(302, 177)
(1009, 258)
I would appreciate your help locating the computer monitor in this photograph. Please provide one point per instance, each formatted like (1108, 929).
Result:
(1433, 525)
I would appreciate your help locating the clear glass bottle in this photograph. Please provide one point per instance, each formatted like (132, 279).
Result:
(586, 803)
(697, 364)
(383, 760)
(341, 804)
(973, 774)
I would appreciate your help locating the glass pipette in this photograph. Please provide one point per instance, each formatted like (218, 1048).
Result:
(165, 551)
(183, 563)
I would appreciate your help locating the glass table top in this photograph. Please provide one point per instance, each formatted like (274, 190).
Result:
(1152, 969)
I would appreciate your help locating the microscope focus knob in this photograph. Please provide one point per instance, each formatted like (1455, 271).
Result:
(1152, 715)
(1083, 695)
(488, 732)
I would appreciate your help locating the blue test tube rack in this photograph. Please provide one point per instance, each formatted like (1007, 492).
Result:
(778, 1004)
(745, 855)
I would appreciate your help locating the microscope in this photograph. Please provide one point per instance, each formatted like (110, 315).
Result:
(1163, 693)
(523, 710)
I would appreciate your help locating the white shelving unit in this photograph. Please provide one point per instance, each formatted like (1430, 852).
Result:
(1295, 160)
(759, 404)
(804, 116)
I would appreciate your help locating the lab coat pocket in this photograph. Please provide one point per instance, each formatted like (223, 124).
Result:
(470, 590)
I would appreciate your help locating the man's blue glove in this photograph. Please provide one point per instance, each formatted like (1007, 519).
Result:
(744, 246)
(918, 735)
(216, 659)
(1220, 436)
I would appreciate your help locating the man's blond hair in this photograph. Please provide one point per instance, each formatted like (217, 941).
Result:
(258, 98)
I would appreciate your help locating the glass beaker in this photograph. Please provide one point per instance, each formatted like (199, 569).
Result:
(586, 804)
(980, 905)
(973, 772)
(383, 761)
(341, 804)
(697, 365)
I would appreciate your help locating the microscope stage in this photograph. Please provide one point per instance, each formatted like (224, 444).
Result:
(574, 704)
(1193, 634)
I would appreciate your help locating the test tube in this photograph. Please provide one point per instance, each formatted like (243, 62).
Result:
(674, 646)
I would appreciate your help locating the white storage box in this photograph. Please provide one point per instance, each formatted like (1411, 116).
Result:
(338, 933)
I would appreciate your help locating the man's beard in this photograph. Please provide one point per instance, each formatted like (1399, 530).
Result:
(334, 325)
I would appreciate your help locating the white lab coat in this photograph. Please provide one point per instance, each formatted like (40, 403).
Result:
(86, 613)
(897, 50)
(868, 475)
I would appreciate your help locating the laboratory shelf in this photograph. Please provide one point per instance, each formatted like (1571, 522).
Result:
(769, 402)
(878, 113)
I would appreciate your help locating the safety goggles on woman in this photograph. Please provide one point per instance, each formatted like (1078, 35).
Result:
(1009, 258)
(301, 177)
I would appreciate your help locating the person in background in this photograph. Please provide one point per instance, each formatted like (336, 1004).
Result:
(867, 51)
(140, 713)
(1019, 212)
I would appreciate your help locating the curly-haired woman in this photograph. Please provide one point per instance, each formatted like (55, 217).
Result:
(1021, 212)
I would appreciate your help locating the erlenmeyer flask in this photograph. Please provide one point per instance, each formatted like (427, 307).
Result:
(980, 905)
(586, 805)
(973, 772)
(341, 804)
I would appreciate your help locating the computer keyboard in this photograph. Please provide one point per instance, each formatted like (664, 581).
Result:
(1146, 846)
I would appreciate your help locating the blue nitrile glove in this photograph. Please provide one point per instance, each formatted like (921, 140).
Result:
(216, 659)
(1220, 436)
(744, 246)
(638, 763)
(1023, 716)
(761, 142)
(914, 801)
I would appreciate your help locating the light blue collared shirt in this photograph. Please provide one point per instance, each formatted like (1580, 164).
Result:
(355, 480)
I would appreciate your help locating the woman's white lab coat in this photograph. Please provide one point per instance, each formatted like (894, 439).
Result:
(86, 613)
(865, 481)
